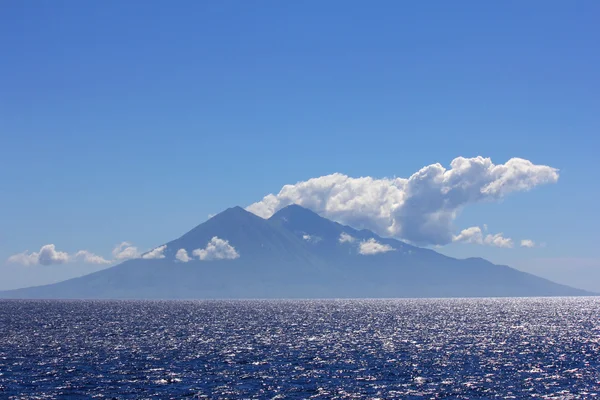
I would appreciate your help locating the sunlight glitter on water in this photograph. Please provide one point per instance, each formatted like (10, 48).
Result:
(460, 348)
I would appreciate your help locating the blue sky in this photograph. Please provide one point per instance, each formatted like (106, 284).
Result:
(133, 121)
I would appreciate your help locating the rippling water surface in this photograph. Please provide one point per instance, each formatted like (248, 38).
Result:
(464, 349)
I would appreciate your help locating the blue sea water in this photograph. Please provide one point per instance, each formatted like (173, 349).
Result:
(333, 349)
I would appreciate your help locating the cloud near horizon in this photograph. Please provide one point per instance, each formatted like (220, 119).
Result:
(216, 249)
(420, 209)
(48, 255)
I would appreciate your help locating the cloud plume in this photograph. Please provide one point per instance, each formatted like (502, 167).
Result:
(421, 208)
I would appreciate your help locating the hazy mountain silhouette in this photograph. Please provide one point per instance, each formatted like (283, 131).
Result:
(297, 254)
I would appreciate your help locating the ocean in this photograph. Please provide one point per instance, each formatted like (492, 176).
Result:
(517, 348)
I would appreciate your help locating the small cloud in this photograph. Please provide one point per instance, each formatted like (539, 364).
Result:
(155, 253)
(90, 258)
(182, 255)
(474, 235)
(371, 246)
(527, 243)
(498, 240)
(217, 249)
(48, 255)
(470, 235)
(125, 251)
(345, 238)
(311, 238)
(23, 258)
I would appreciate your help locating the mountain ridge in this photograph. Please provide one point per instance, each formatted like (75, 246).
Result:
(296, 253)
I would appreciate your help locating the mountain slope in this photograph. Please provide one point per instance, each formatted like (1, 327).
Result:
(296, 253)
(253, 237)
(410, 271)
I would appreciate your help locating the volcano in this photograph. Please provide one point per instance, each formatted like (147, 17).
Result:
(295, 254)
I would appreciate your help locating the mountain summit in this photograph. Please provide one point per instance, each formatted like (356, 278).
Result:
(294, 254)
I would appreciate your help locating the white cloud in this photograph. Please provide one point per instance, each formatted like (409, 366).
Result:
(23, 258)
(182, 255)
(48, 255)
(125, 251)
(475, 235)
(90, 258)
(371, 246)
(366, 247)
(470, 235)
(498, 240)
(155, 253)
(421, 208)
(216, 249)
(527, 243)
(345, 238)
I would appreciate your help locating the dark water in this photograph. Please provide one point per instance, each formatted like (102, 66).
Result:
(464, 349)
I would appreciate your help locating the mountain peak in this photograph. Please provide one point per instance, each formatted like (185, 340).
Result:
(233, 213)
(303, 221)
(222, 222)
(294, 210)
